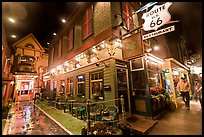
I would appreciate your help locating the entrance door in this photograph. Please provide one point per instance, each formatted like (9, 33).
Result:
(123, 88)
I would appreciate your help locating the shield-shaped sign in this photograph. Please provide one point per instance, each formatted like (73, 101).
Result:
(156, 17)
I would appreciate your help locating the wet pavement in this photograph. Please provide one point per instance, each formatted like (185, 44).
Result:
(29, 120)
(181, 121)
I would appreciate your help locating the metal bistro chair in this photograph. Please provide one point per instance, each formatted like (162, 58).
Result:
(96, 111)
(110, 114)
(79, 107)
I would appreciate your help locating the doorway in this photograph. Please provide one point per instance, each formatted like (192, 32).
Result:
(123, 88)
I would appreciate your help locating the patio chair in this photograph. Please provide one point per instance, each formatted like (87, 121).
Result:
(96, 111)
(110, 114)
(79, 107)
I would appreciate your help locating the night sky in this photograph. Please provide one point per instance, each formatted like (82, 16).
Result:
(39, 18)
(44, 18)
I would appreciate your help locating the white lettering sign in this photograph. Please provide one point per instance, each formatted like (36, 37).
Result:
(156, 17)
(159, 32)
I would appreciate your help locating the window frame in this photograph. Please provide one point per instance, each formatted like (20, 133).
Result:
(87, 22)
(70, 39)
(70, 81)
(81, 82)
(92, 81)
(127, 15)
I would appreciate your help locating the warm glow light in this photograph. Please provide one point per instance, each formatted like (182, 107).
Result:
(77, 65)
(54, 34)
(77, 58)
(48, 43)
(13, 36)
(11, 20)
(63, 20)
(94, 49)
(103, 45)
(156, 48)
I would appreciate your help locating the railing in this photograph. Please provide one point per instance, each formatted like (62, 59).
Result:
(88, 106)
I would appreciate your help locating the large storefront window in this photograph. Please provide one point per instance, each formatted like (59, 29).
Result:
(154, 75)
(81, 85)
(138, 74)
(96, 79)
(62, 87)
(70, 86)
(139, 83)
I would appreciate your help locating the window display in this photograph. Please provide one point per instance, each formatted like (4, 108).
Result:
(96, 85)
(81, 85)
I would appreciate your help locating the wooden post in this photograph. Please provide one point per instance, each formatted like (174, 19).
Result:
(88, 116)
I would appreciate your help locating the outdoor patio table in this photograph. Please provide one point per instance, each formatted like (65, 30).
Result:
(71, 102)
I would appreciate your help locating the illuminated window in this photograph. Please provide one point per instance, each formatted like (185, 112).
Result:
(70, 86)
(96, 85)
(127, 15)
(62, 87)
(81, 85)
(87, 25)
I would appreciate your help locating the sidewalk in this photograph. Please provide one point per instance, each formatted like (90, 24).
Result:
(181, 121)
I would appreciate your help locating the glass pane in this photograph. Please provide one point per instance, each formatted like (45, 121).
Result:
(72, 89)
(81, 89)
(139, 84)
(137, 64)
(97, 89)
(96, 76)
(92, 76)
(154, 80)
(80, 78)
(101, 75)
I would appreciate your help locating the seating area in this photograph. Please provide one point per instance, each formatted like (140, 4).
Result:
(77, 106)
(110, 114)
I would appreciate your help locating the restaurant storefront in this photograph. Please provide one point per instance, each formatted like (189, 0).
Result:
(97, 76)
(173, 71)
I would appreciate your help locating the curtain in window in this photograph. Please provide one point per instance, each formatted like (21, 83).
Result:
(127, 15)
(70, 39)
(87, 25)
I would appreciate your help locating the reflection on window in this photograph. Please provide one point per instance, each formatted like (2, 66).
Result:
(24, 92)
(81, 85)
(137, 64)
(97, 91)
(70, 86)
(154, 75)
(139, 82)
(62, 87)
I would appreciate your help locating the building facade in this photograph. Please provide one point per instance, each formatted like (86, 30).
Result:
(7, 77)
(102, 55)
(29, 60)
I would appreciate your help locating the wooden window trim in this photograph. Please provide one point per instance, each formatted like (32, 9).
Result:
(127, 15)
(81, 82)
(69, 85)
(87, 21)
(95, 80)
(70, 40)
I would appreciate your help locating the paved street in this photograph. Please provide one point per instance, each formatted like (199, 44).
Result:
(29, 120)
(181, 121)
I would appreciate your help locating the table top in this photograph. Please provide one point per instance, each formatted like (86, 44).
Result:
(71, 100)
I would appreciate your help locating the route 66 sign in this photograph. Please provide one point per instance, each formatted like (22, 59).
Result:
(156, 17)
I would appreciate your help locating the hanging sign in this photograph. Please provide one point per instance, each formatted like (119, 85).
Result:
(159, 32)
(156, 17)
